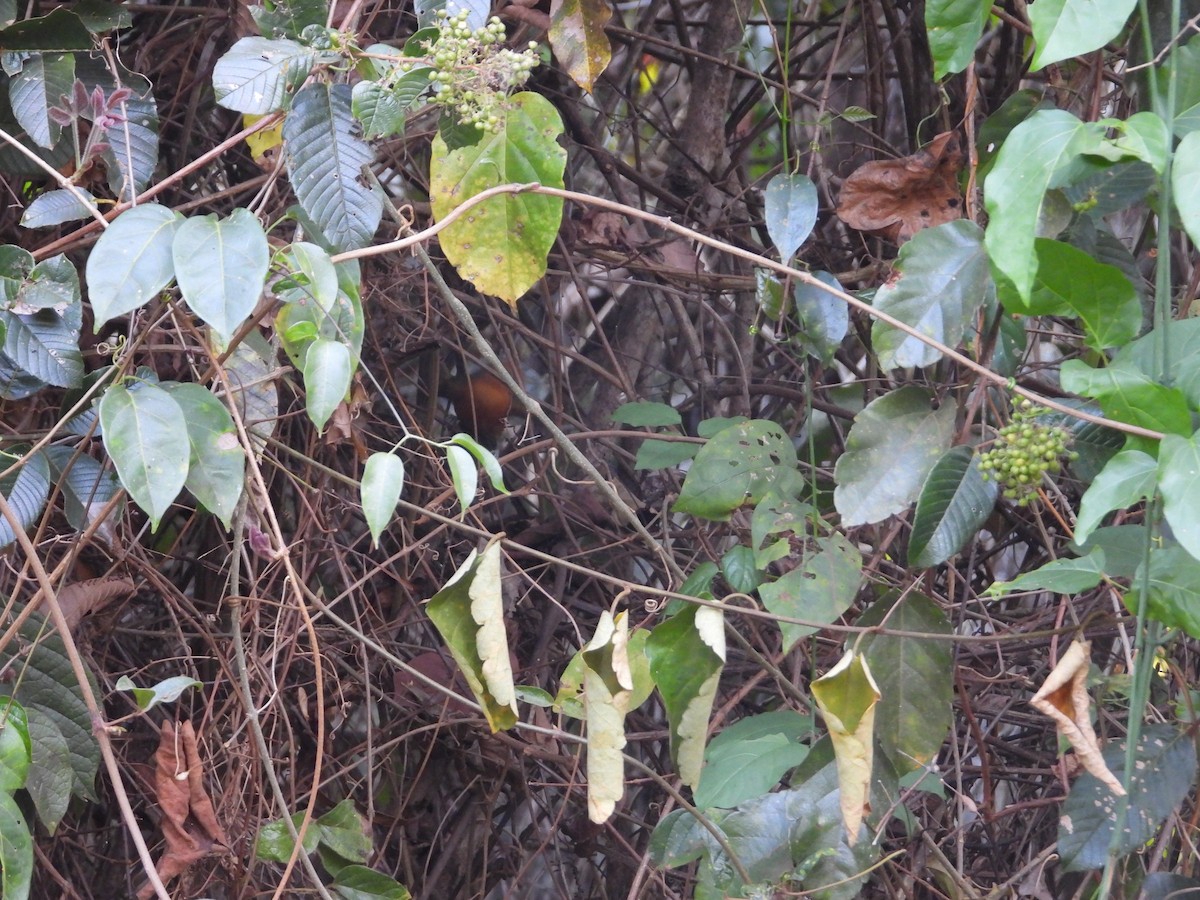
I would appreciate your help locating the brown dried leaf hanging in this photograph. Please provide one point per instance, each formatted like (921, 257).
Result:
(189, 822)
(1064, 698)
(896, 198)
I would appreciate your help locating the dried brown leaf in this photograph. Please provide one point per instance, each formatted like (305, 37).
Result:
(1064, 698)
(189, 822)
(896, 198)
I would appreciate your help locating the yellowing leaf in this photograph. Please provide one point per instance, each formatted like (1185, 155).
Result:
(1064, 698)
(607, 684)
(846, 696)
(469, 614)
(578, 39)
(262, 141)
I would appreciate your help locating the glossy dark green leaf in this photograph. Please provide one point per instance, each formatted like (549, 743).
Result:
(954, 503)
(1129, 477)
(748, 758)
(1172, 580)
(43, 79)
(26, 491)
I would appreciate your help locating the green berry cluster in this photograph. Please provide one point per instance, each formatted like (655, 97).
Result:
(1024, 451)
(471, 76)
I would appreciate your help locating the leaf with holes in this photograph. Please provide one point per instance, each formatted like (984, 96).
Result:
(818, 590)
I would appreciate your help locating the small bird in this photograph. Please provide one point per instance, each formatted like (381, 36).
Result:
(482, 403)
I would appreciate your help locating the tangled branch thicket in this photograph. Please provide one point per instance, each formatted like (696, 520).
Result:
(678, 125)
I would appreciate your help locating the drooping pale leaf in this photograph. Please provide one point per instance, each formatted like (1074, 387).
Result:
(1185, 184)
(501, 245)
(737, 467)
(1062, 576)
(914, 714)
(943, 280)
(1030, 157)
(577, 37)
(819, 590)
(1128, 394)
(954, 27)
(1179, 482)
(217, 464)
(1066, 28)
(607, 683)
(847, 696)
(1071, 282)
(258, 75)
(646, 415)
(328, 370)
(954, 503)
(146, 435)
(325, 156)
(469, 614)
(221, 265)
(166, 691)
(43, 79)
(26, 491)
(49, 779)
(48, 687)
(748, 758)
(132, 261)
(791, 212)
(382, 482)
(484, 457)
(1162, 776)
(893, 444)
(58, 206)
(687, 653)
(463, 474)
(822, 319)
(16, 850)
(1128, 478)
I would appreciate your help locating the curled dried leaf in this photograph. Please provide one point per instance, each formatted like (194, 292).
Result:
(896, 198)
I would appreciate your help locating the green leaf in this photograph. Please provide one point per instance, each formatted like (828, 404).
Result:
(654, 454)
(15, 749)
(748, 758)
(737, 467)
(257, 75)
(954, 27)
(378, 109)
(26, 491)
(50, 774)
(822, 319)
(46, 345)
(578, 39)
(48, 689)
(1179, 481)
(1128, 394)
(145, 433)
(1162, 776)
(132, 261)
(325, 158)
(86, 484)
(221, 266)
(313, 273)
(892, 446)
(469, 614)
(501, 245)
(819, 590)
(1185, 184)
(646, 415)
(1172, 582)
(484, 457)
(1184, 69)
(1128, 478)
(791, 212)
(382, 482)
(739, 570)
(1144, 136)
(687, 654)
(217, 463)
(1183, 351)
(53, 284)
(328, 370)
(1034, 152)
(288, 18)
(778, 513)
(1067, 28)
(60, 30)
(944, 278)
(16, 847)
(1062, 576)
(360, 883)
(166, 691)
(1070, 282)
(954, 503)
(914, 714)
(43, 79)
